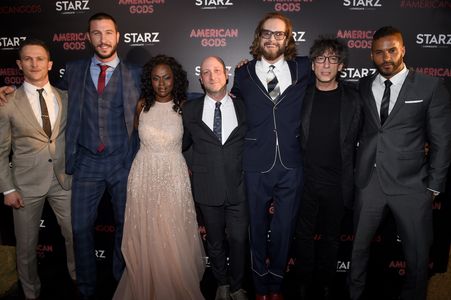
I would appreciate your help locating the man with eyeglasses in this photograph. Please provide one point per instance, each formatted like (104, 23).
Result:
(330, 123)
(272, 87)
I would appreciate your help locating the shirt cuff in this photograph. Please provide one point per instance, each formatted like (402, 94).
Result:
(8, 192)
(436, 193)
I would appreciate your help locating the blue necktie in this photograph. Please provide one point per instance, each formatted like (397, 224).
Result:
(217, 122)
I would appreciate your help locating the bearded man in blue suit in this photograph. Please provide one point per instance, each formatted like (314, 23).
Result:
(272, 87)
(103, 92)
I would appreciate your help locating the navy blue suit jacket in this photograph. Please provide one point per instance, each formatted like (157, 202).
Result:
(74, 80)
(267, 121)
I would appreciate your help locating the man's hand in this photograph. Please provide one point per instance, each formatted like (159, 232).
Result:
(241, 63)
(14, 199)
(5, 90)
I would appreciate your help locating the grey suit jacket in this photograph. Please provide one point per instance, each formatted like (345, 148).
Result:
(35, 157)
(422, 114)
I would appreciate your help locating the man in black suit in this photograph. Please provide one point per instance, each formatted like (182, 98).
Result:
(403, 110)
(330, 124)
(214, 125)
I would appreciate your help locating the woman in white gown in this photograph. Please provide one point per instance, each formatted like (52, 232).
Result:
(161, 244)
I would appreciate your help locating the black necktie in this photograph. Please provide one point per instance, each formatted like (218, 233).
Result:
(44, 114)
(385, 101)
(273, 87)
(217, 121)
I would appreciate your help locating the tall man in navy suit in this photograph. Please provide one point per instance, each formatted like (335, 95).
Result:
(272, 87)
(103, 92)
(402, 111)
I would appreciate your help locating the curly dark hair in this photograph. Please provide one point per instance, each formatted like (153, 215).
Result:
(180, 81)
(290, 49)
(329, 43)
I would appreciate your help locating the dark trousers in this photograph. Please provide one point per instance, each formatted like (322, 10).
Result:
(269, 259)
(91, 178)
(227, 228)
(413, 217)
(321, 212)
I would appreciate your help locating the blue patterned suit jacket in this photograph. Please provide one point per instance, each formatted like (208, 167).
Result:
(74, 80)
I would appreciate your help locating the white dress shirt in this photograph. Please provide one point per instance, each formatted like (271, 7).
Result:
(281, 70)
(228, 115)
(378, 88)
(50, 101)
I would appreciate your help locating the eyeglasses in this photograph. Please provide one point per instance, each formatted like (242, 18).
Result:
(278, 35)
(322, 59)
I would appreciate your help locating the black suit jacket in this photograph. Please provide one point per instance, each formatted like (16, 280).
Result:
(216, 168)
(350, 119)
(422, 114)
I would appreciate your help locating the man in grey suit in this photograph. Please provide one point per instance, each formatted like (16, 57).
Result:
(33, 123)
(214, 125)
(403, 110)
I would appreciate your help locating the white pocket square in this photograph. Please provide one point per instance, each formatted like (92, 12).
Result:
(413, 101)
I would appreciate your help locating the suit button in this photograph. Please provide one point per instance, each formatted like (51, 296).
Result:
(50, 141)
(381, 131)
(50, 160)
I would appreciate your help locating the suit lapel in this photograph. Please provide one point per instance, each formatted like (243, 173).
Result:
(239, 117)
(406, 87)
(250, 67)
(368, 98)
(293, 65)
(129, 108)
(306, 112)
(346, 114)
(56, 127)
(198, 117)
(24, 107)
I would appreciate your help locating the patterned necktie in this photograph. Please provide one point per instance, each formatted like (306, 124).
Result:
(273, 83)
(44, 114)
(101, 80)
(217, 122)
(385, 101)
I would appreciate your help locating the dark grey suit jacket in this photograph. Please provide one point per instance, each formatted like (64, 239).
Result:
(422, 114)
(216, 168)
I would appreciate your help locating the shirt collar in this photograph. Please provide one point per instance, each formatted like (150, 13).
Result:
(396, 79)
(112, 64)
(211, 102)
(277, 65)
(31, 89)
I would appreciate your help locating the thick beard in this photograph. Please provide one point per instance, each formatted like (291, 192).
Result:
(102, 56)
(272, 56)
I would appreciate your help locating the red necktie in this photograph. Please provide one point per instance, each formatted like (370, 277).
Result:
(101, 81)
